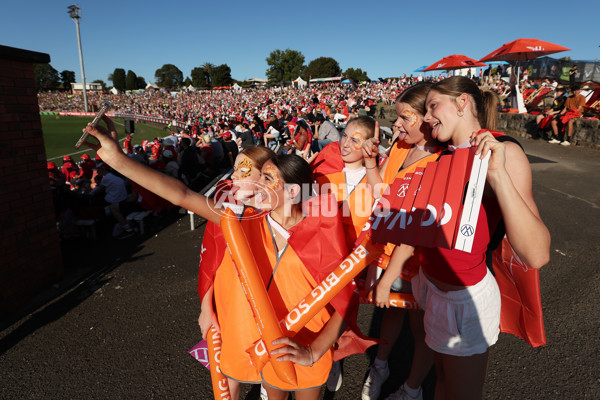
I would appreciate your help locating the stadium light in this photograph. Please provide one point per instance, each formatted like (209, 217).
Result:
(74, 13)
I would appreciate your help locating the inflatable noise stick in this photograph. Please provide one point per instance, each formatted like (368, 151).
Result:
(219, 381)
(400, 300)
(322, 294)
(256, 293)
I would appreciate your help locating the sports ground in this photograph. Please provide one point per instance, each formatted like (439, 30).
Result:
(61, 133)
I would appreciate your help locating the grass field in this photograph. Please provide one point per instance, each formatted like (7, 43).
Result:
(61, 134)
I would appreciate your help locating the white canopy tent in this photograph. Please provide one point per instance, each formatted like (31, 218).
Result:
(300, 82)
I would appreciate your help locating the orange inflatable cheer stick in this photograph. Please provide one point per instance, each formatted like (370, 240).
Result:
(219, 381)
(318, 298)
(256, 293)
(401, 300)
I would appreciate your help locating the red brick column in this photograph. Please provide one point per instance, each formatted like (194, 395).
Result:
(30, 256)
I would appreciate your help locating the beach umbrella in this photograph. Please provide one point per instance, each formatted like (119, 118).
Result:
(421, 68)
(522, 50)
(455, 61)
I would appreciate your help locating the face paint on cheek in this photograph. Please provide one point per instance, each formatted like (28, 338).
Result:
(358, 136)
(275, 184)
(245, 168)
(411, 117)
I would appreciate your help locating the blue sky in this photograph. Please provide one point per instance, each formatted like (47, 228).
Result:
(384, 38)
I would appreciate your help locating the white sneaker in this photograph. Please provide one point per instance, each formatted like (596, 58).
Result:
(372, 386)
(401, 394)
(565, 143)
(553, 141)
(334, 382)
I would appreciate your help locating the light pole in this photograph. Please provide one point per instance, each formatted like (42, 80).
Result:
(74, 12)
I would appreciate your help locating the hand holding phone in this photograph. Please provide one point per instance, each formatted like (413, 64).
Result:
(94, 122)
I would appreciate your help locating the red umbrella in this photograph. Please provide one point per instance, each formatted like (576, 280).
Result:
(523, 49)
(455, 61)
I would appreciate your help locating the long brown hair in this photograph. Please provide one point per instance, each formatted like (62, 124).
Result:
(486, 102)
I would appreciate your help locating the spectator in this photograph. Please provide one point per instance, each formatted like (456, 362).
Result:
(69, 169)
(325, 133)
(246, 136)
(127, 146)
(57, 178)
(139, 154)
(573, 75)
(273, 133)
(230, 149)
(190, 168)
(572, 110)
(87, 167)
(114, 192)
(544, 119)
(171, 166)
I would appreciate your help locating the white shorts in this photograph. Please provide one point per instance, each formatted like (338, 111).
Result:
(462, 322)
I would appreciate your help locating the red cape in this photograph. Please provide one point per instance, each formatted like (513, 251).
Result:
(328, 161)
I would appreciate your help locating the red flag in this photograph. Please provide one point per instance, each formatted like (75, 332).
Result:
(519, 285)
(328, 161)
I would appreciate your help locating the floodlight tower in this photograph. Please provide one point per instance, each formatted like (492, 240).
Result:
(74, 12)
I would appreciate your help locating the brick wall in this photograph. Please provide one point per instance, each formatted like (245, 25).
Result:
(30, 256)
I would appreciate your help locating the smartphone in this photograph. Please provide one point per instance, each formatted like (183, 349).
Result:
(94, 122)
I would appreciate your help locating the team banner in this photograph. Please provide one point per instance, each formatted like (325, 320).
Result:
(436, 206)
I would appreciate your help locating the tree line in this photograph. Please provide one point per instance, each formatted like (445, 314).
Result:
(283, 66)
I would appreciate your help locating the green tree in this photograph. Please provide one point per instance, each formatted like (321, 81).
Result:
(67, 77)
(141, 82)
(131, 81)
(169, 76)
(46, 77)
(323, 67)
(207, 73)
(118, 79)
(356, 75)
(187, 82)
(284, 65)
(565, 59)
(200, 77)
(221, 75)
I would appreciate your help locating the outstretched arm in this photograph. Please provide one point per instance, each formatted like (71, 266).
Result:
(161, 184)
